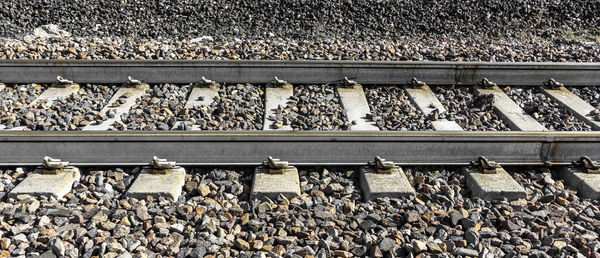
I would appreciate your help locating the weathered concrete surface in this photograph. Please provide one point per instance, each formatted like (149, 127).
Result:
(167, 185)
(53, 93)
(494, 186)
(271, 185)
(38, 184)
(516, 118)
(587, 185)
(394, 185)
(200, 96)
(427, 102)
(356, 107)
(445, 125)
(136, 93)
(579, 107)
(50, 95)
(275, 96)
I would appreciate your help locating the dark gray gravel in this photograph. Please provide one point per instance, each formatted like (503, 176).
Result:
(237, 107)
(71, 113)
(473, 112)
(440, 48)
(314, 107)
(490, 30)
(391, 109)
(14, 99)
(156, 110)
(358, 20)
(213, 217)
(546, 111)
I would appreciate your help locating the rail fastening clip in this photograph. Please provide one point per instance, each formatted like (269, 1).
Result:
(486, 166)
(590, 166)
(276, 166)
(553, 84)
(384, 166)
(280, 83)
(416, 83)
(62, 82)
(485, 83)
(209, 83)
(162, 166)
(350, 83)
(54, 166)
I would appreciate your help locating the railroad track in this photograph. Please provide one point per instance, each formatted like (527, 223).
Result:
(165, 157)
(529, 144)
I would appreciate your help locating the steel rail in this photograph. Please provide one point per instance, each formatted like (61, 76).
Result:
(301, 148)
(262, 71)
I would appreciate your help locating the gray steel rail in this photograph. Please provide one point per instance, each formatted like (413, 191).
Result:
(262, 71)
(300, 148)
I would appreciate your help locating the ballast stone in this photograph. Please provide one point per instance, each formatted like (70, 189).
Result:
(271, 185)
(39, 184)
(167, 185)
(587, 185)
(494, 186)
(375, 185)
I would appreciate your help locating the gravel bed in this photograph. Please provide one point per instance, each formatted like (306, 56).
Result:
(490, 30)
(473, 112)
(391, 109)
(157, 109)
(546, 111)
(237, 107)
(357, 19)
(439, 48)
(591, 95)
(71, 113)
(329, 219)
(15, 98)
(313, 108)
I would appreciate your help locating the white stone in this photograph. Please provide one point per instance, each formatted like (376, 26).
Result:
(201, 39)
